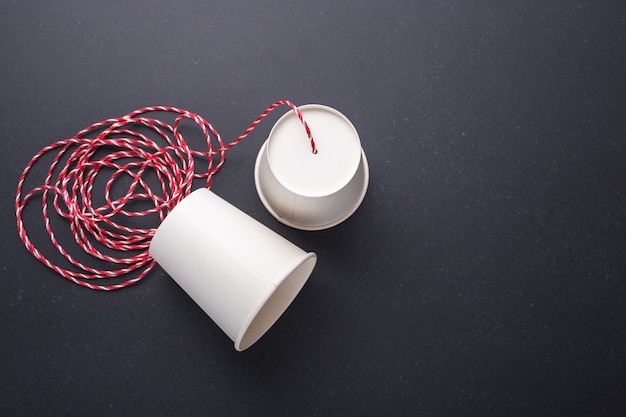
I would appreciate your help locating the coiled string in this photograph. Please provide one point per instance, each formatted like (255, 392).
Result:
(125, 146)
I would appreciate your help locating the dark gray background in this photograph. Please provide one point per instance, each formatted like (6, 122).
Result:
(484, 273)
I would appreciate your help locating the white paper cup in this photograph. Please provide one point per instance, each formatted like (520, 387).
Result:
(242, 274)
(312, 191)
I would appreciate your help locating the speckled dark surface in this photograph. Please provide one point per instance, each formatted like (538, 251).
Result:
(484, 274)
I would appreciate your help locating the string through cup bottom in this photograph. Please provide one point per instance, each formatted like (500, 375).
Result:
(120, 145)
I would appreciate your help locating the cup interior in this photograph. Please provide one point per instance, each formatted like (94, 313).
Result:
(277, 302)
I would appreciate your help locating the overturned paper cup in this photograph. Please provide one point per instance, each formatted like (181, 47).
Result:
(242, 274)
(306, 190)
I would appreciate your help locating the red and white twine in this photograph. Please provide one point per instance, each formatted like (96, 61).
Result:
(118, 145)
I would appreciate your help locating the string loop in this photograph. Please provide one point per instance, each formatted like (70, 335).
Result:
(135, 150)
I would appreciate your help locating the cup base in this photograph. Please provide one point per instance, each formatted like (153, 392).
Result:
(362, 176)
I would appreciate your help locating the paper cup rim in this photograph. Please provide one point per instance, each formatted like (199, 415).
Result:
(244, 339)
